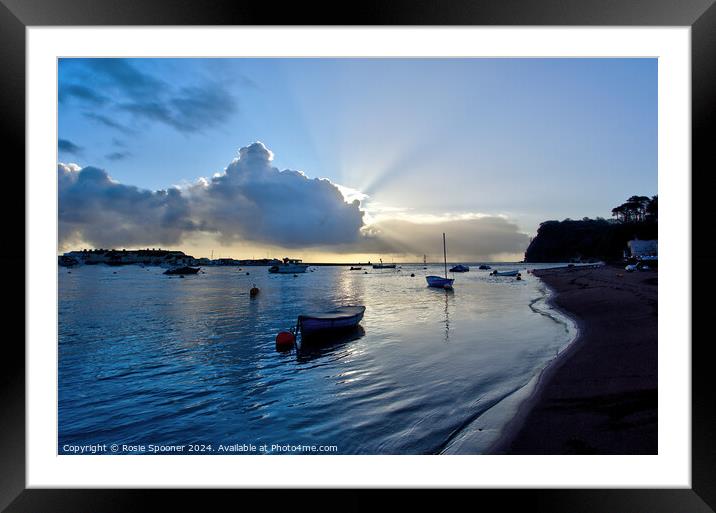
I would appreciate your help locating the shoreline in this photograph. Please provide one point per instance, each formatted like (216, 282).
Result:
(599, 395)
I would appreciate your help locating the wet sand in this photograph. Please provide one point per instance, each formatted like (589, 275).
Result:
(600, 395)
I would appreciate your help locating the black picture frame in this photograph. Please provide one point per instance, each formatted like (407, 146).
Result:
(700, 15)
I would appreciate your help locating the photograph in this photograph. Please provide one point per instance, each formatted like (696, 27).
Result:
(357, 256)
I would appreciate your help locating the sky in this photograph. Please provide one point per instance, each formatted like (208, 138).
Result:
(347, 159)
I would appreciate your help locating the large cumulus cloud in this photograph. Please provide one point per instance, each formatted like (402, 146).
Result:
(95, 209)
(254, 200)
(251, 200)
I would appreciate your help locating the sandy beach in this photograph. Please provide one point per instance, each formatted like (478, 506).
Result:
(600, 395)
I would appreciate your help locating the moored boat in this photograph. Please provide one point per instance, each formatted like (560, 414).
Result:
(439, 281)
(356, 268)
(183, 270)
(289, 266)
(484, 267)
(459, 268)
(505, 273)
(341, 318)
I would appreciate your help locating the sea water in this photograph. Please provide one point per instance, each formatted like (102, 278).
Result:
(149, 363)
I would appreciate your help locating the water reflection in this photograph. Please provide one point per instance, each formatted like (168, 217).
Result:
(317, 346)
(448, 295)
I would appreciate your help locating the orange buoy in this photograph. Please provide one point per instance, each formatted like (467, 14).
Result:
(254, 291)
(247, 274)
(412, 275)
(285, 340)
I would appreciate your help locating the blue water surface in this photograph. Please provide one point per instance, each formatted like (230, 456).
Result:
(147, 359)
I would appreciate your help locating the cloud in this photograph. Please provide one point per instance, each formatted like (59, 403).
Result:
(193, 109)
(104, 120)
(95, 209)
(123, 77)
(67, 146)
(118, 155)
(204, 106)
(80, 92)
(251, 200)
(255, 201)
(139, 97)
(469, 237)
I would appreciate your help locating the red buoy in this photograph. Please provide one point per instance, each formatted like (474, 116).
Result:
(285, 340)
(254, 291)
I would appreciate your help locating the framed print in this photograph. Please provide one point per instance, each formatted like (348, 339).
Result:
(417, 247)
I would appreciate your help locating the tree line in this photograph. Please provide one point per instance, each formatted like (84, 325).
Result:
(637, 209)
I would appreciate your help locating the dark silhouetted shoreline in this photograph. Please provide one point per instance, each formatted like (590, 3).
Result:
(600, 396)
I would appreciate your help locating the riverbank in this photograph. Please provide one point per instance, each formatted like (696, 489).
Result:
(600, 396)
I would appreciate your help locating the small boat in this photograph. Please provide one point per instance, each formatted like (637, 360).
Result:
(289, 266)
(439, 281)
(356, 268)
(504, 273)
(381, 265)
(484, 267)
(342, 318)
(183, 270)
(459, 269)
(67, 261)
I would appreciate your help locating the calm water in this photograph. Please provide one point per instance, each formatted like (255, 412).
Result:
(149, 359)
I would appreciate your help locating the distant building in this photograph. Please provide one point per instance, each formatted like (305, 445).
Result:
(226, 261)
(126, 257)
(642, 248)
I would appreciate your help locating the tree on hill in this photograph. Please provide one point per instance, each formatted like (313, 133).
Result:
(597, 238)
(652, 209)
(634, 210)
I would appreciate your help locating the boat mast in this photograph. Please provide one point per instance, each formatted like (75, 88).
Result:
(445, 255)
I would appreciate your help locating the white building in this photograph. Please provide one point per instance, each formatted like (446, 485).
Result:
(642, 248)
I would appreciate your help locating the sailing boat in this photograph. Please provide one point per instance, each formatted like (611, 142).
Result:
(439, 281)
